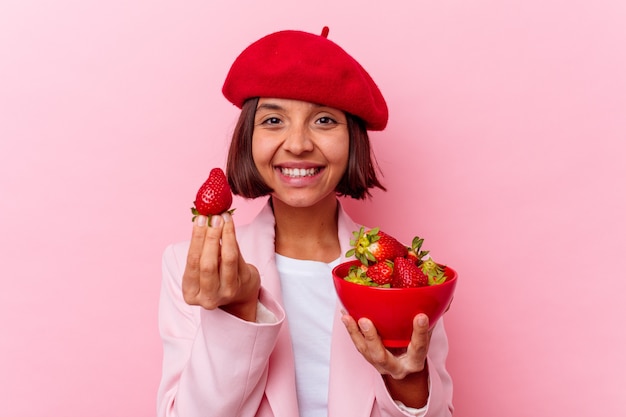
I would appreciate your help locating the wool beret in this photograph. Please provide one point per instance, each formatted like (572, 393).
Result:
(303, 66)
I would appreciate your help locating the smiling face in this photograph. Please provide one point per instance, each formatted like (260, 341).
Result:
(300, 149)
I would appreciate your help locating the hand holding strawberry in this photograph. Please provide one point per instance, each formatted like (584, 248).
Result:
(214, 196)
(216, 274)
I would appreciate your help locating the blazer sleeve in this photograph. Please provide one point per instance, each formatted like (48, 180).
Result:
(440, 399)
(440, 383)
(213, 363)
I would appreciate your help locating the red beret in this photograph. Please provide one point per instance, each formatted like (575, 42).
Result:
(303, 66)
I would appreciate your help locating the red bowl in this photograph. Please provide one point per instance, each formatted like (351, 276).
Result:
(392, 309)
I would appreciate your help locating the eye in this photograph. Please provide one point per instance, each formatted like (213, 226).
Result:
(325, 120)
(271, 121)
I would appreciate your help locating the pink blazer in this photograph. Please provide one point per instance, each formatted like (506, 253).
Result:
(216, 365)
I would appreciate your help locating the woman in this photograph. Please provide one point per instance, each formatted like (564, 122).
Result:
(249, 319)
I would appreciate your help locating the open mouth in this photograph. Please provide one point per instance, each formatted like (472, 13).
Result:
(299, 172)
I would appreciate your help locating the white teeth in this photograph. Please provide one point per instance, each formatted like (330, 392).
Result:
(299, 172)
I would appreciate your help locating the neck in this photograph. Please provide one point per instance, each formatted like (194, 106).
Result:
(307, 232)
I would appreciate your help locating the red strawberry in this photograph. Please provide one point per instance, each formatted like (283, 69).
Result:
(381, 273)
(375, 246)
(214, 196)
(408, 275)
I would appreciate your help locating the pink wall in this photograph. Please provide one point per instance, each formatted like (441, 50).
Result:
(505, 150)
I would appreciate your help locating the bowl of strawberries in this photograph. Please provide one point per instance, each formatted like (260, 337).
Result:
(390, 283)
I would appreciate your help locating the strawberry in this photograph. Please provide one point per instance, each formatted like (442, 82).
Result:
(214, 196)
(381, 273)
(415, 252)
(356, 274)
(433, 271)
(375, 246)
(407, 274)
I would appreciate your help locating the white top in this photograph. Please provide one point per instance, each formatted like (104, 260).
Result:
(309, 299)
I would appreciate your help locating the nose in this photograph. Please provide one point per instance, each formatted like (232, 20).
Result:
(298, 140)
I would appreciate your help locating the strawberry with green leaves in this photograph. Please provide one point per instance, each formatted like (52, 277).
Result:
(356, 274)
(374, 246)
(433, 271)
(214, 196)
(415, 252)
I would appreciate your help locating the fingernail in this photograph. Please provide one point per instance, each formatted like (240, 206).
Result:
(216, 221)
(226, 216)
(200, 221)
(422, 320)
(364, 325)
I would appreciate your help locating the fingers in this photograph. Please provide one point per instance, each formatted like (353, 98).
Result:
(191, 276)
(230, 259)
(420, 341)
(216, 274)
(420, 334)
(410, 360)
(368, 342)
(210, 260)
(355, 333)
(353, 330)
(363, 334)
(211, 269)
(372, 342)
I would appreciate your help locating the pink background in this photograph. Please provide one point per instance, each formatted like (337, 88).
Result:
(505, 150)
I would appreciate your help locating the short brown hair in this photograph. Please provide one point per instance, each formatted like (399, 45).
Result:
(245, 180)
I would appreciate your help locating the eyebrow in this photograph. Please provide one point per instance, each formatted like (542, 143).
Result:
(269, 106)
(273, 106)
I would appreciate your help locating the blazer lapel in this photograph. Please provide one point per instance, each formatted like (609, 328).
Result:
(350, 392)
(281, 385)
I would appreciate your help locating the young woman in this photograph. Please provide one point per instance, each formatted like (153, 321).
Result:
(248, 315)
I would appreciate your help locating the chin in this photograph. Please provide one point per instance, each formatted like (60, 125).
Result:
(305, 201)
